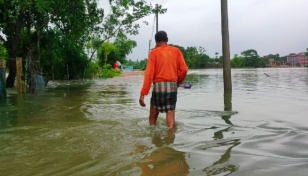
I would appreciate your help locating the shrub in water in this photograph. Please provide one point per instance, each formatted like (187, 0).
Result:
(109, 72)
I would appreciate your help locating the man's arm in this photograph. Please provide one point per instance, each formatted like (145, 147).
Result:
(148, 77)
(182, 68)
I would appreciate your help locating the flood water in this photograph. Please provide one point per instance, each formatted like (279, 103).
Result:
(98, 128)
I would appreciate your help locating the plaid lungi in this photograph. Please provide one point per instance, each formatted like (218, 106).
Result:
(164, 96)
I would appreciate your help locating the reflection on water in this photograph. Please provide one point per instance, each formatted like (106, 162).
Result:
(97, 128)
(228, 107)
(165, 160)
(222, 166)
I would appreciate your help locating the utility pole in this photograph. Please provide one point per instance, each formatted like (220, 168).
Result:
(226, 47)
(156, 14)
(226, 60)
(156, 17)
(149, 47)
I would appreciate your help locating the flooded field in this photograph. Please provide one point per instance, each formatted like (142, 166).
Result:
(98, 128)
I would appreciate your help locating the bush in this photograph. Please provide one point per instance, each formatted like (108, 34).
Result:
(109, 72)
(3, 52)
(94, 70)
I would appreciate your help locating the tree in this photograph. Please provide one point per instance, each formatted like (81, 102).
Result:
(251, 58)
(137, 64)
(190, 55)
(56, 31)
(216, 55)
(109, 53)
(237, 62)
(51, 47)
(250, 53)
(104, 50)
(182, 49)
(125, 46)
(91, 46)
(194, 57)
(12, 15)
(202, 58)
(73, 21)
(3, 51)
(124, 18)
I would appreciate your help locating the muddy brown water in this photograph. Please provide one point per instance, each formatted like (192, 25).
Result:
(97, 128)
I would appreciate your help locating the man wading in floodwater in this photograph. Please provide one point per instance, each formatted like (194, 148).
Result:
(166, 69)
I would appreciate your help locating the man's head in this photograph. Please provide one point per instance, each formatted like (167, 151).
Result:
(161, 36)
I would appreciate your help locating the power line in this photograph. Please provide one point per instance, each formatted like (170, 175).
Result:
(162, 3)
(153, 27)
(152, 34)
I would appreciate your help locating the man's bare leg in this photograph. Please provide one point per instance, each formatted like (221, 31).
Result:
(153, 115)
(170, 119)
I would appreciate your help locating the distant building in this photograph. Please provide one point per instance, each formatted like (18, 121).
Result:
(273, 63)
(299, 59)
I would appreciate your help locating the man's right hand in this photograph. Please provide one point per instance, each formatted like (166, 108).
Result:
(141, 101)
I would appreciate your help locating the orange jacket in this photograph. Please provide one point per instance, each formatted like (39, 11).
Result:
(165, 64)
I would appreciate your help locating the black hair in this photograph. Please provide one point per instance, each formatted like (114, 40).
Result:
(161, 36)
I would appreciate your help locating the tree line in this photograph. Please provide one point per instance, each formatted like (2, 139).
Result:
(65, 37)
(196, 58)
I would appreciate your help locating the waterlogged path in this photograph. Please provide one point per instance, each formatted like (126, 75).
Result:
(98, 128)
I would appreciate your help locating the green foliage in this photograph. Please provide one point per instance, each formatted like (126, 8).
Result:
(61, 44)
(124, 17)
(61, 59)
(124, 46)
(3, 52)
(53, 30)
(94, 43)
(275, 57)
(251, 56)
(57, 32)
(139, 65)
(237, 61)
(108, 72)
(253, 60)
(195, 57)
(107, 50)
(94, 70)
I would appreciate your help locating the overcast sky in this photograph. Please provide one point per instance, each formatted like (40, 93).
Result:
(268, 26)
